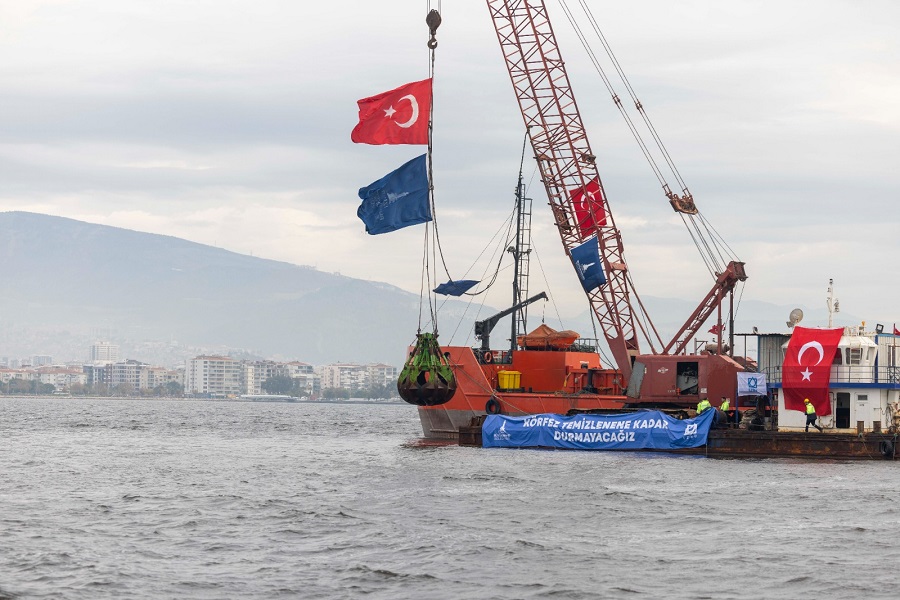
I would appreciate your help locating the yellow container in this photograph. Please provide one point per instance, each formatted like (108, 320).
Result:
(509, 380)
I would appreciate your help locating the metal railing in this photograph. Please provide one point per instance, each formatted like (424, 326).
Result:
(848, 374)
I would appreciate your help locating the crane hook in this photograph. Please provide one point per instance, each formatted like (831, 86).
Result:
(433, 20)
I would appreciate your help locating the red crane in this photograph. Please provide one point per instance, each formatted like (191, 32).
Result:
(580, 209)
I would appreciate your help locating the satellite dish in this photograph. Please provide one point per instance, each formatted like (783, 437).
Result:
(796, 317)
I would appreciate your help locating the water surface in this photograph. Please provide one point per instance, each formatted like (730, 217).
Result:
(199, 499)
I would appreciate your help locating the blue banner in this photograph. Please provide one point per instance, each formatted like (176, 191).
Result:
(646, 429)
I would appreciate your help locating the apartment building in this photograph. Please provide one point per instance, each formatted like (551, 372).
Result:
(104, 352)
(215, 376)
(381, 374)
(343, 375)
(126, 373)
(152, 377)
(60, 377)
(255, 373)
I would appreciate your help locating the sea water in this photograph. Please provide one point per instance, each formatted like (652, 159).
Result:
(202, 499)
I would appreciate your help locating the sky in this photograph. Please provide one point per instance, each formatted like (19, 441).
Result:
(228, 123)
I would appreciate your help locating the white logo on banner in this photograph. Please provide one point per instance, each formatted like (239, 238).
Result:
(690, 430)
(501, 433)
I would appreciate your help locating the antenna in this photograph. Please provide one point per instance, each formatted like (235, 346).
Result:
(795, 317)
(833, 304)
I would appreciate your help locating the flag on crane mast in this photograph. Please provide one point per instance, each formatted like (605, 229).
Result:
(398, 116)
(588, 265)
(806, 371)
(397, 200)
(589, 211)
(716, 329)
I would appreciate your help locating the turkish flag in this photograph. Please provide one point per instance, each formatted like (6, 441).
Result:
(399, 116)
(896, 331)
(589, 211)
(807, 368)
(716, 329)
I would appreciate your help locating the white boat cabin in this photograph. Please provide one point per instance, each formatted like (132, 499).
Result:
(864, 388)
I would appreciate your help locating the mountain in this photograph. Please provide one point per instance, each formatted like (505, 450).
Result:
(68, 283)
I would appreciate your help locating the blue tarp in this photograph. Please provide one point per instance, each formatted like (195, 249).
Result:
(456, 288)
(646, 429)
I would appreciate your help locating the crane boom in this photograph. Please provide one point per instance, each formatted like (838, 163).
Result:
(565, 160)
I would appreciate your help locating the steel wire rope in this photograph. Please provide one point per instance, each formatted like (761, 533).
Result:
(616, 100)
(514, 215)
(639, 106)
(709, 242)
(737, 308)
(709, 227)
(426, 267)
(706, 259)
(643, 319)
(537, 255)
(491, 243)
(422, 278)
(426, 282)
(547, 283)
(597, 339)
(714, 253)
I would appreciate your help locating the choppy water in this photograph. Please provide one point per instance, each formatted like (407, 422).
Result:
(182, 499)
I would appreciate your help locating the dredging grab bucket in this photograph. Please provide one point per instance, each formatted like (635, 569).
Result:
(426, 378)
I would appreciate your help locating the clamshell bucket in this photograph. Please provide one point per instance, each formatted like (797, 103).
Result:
(426, 378)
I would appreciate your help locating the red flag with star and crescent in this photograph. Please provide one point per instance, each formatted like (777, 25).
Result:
(399, 116)
(807, 368)
(588, 204)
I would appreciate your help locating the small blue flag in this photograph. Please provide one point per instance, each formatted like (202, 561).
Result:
(586, 259)
(397, 200)
(455, 288)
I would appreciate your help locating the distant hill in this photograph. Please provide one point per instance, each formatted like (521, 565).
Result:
(67, 283)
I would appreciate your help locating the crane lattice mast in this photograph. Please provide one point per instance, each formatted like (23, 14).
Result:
(564, 157)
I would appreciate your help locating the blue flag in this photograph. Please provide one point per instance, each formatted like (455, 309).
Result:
(586, 259)
(455, 288)
(397, 200)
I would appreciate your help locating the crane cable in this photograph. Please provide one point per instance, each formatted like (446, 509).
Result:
(708, 243)
(637, 103)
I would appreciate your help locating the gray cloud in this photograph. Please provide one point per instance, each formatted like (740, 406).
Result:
(229, 125)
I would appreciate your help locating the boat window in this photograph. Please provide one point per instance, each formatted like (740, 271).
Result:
(854, 356)
(838, 357)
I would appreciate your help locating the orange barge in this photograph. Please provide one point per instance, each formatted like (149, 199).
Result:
(521, 383)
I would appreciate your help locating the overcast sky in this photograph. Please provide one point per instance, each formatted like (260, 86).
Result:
(228, 123)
